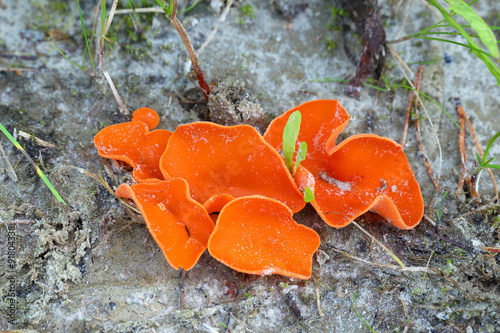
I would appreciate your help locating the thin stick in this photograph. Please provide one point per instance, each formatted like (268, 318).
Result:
(480, 150)
(192, 54)
(139, 10)
(424, 153)
(408, 110)
(38, 141)
(404, 20)
(10, 170)
(110, 17)
(18, 69)
(462, 147)
(222, 18)
(434, 132)
(123, 109)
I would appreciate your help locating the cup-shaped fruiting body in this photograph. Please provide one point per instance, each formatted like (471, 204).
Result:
(364, 172)
(179, 225)
(236, 161)
(257, 235)
(133, 143)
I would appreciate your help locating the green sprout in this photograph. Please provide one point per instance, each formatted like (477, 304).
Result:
(359, 316)
(290, 136)
(484, 162)
(476, 23)
(38, 171)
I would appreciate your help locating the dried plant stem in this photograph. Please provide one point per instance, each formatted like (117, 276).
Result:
(18, 69)
(480, 152)
(410, 103)
(463, 148)
(123, 109)
(419, 137)
(192, 54)
(424, 153)
(402, 65)
(139, 10)
(212, 34)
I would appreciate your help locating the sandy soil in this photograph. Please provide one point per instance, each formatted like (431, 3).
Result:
(92, 266)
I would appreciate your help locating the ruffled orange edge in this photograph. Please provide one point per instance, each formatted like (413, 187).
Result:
(257, 235)
(180, 226)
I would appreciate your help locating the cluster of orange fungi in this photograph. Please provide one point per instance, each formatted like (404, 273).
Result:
(228, 188)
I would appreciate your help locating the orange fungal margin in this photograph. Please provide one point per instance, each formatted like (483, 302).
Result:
(132, 143)
(235, 161)
(364, 172)
(179, 225)
(257, 235)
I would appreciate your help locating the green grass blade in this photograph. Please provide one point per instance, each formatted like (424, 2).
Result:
(301, 155)
(190, 7)
(493, 139)
(493, 166)
(85, 34)
(359, 316)
(492, 67)
(477, 24)
(38, 171)
(429, 98)
(474, 49)
(290, 135)
(65, 56)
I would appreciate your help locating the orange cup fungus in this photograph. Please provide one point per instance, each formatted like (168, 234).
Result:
(230, 161)
(364, 172)
(188, 176)
(257, 235)
(134, 144)
(179, 225)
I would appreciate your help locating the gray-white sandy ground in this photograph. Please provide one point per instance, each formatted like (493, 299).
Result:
(92, 266)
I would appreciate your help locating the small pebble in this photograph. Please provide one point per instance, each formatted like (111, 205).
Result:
(112, 305)
(448, 58)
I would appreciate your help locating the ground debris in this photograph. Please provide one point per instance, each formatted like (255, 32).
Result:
(229, 104)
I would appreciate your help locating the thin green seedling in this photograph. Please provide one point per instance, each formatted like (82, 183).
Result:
(484, 162)
(38, 171)
(87, 46)
(301, 156)
(290, 136)
(428, 97)
(343, 81)
(66, 57)
(359, 316)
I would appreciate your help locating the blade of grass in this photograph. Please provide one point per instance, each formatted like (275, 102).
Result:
(359, 316)
(477, 24)
(87, 47)
(474, 49)
(38, 171)
(492, 67)
(65, 56)
(429, 98)
(189, 8)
